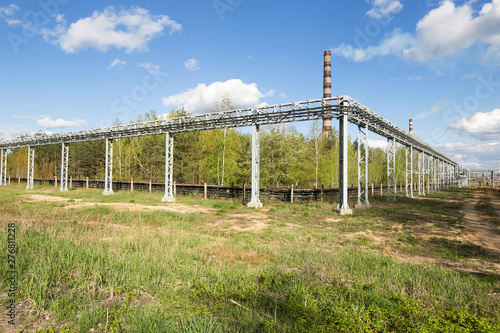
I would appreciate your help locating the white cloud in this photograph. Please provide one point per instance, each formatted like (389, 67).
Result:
(130, 29)
(382, 144)
(384, 8)
(483, 126)
(9, 10)
(471, 154)
(21, 117)
(449, 29)
(47, 122)
(443, 32)
(394, 44)
(150, 67)
(202, 98)
(11, 131)
(192, 64)
(117, 63)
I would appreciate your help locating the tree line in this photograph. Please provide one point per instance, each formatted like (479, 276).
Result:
(223, 157)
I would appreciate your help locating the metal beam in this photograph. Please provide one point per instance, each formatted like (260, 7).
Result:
(31, 168)
(281, 113)
(3, 167)
(363, 167)
(343, 205)
(169, 164)
(108, 176)
(391, 169)
(409, 172)
(255, 200)
(421, 174)
(64, 167)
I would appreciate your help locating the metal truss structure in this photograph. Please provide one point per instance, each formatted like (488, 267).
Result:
(108, 175)
(391, 169)
(3, 167)
(31, 167)
(169, 168)
(64, 167)
(363, 167)
(409, 172)
(343, 108)
(420, 171)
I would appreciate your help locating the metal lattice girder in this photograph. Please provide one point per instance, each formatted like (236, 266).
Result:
(363, 167)
(255, 199)
(169, 164)
(429, 174)
(271, 114)
(421, 174)
(108, 178)
(391, 169)
(343, 205)
(64, 167)
(31, 167)
(409, 172)
(3, 167)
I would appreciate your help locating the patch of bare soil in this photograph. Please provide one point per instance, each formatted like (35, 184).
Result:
(478, 229)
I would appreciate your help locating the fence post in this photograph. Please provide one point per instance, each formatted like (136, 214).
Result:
(175, 188)
(150, 186)
(55, 181)
(18, 179)
(205, 190)
(291, 194)
(131, 184)
(322, 192)
(70, 182)
(9, 179)
(372, 189)
(381, 189)
(244, 193)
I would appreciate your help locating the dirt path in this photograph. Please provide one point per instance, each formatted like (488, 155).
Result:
(478, 226)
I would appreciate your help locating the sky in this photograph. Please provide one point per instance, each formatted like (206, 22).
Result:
(69, 65)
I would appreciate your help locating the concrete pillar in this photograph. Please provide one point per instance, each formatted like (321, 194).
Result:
(255, 200)
(343, 205)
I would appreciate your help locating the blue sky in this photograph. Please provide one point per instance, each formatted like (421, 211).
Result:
(68, 65)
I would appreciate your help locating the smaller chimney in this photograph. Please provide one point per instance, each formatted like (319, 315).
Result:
(411, 126)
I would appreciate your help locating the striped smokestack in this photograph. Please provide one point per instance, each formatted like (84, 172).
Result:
(411, 126)
(327, 88)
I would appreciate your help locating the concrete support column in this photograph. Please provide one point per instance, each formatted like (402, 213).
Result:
(409, 172)
(169, 172)
(31, 168)
(391, 169)
(255, 200)
(64, 167)
(108, 178)
(3, 167)
(343, 205)
(363, 167)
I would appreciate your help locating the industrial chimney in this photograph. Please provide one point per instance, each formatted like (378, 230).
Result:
(327, 88)
(411, 126)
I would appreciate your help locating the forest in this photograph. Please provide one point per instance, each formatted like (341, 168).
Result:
(220, 157)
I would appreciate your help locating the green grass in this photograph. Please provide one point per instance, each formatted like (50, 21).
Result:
(309, 270)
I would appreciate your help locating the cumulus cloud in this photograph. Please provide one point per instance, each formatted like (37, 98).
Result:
(483, 126)
(130, 29)
(394, 44)
(202, 98)
(117, 63)
(48, 122)
(443, 32)
(11, 131)
(192, 64)
(21, 117)
(382, 144)
(384, 8)
(150, 67)
(472, 154)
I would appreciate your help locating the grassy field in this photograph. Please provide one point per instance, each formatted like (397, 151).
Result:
(129, 263)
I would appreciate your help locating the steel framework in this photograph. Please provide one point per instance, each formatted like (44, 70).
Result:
(108, 181)
(363, 166)
(169, 167)
(3, 167)
(64, 167)
(391, 169)
(344, 108)
(409, 172)
(31, 169)
(421, 178)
